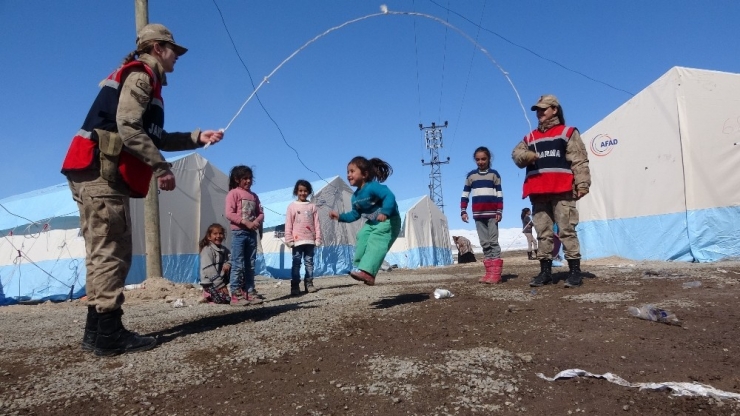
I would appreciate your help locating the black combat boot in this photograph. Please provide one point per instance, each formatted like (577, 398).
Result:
(545, 276)
(91, 329)
(114, 339)
(530, 256)
(308, 283)
(295, 288)
(574, 275)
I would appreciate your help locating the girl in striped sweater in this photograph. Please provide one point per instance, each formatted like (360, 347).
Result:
(483, 187)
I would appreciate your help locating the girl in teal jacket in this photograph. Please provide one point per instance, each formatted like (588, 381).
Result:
(377, 204)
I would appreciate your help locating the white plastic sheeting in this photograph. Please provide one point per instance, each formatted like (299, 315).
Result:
(677, 388)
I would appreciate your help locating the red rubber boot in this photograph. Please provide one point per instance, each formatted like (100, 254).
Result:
(488, 277)
(496, 268)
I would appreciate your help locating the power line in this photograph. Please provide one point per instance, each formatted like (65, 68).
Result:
(470, 70)
(418, 87)
(444, 61)
(251, 81)
(533, 52)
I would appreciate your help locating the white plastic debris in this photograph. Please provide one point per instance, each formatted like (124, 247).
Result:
(178, 303)
(132, 287)
(442, 293)
(677, 388)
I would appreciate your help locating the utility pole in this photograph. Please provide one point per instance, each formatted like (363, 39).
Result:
(142, 14)
(433, 139)
(151, 202)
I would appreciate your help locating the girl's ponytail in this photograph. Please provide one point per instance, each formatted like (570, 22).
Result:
(382, 169)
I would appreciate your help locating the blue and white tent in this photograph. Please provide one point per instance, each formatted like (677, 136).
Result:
(42, 254)
(334, 257)
(424, 239)
(665, 175)
(425, 236)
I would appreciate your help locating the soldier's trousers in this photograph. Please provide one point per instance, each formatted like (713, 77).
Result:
(105, 223)
(557, 209)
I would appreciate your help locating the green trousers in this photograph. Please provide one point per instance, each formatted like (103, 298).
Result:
(373, 243)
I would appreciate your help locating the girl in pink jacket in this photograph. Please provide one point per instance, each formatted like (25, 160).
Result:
(245, 215)
(302, 234)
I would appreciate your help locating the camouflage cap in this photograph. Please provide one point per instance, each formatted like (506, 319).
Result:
(156, 31)
(546, 101)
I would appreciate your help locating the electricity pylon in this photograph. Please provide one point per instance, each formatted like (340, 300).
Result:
(433, 139)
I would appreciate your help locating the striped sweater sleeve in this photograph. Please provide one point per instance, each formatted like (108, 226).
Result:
(465, 194)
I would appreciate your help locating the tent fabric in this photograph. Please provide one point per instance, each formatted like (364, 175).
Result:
(664, 172)
(424, 238)
(334, 256)
(184, 216)
(42, 254)
(40, 266)
(32, 212)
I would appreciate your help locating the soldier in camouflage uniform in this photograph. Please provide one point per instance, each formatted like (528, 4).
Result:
(557, 176)
(112, 158)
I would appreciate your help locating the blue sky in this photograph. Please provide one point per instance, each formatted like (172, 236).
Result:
(360, 90)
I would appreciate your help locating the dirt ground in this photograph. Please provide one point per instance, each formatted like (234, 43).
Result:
(477, 352)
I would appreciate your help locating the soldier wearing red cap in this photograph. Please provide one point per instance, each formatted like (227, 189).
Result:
(557, 176)
(113, 158)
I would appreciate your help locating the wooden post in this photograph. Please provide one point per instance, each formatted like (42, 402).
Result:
(142, 13)
(151, 202)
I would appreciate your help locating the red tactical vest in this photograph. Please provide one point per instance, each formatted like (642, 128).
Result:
(551, 173)
(83, 153)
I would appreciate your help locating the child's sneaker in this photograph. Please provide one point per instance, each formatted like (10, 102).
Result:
(252, 300)
(255, 294)
(238, 301)
(363, 277)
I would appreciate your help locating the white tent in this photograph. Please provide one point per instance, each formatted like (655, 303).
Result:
(424, 239)
(665, 172)
(425, 236)
(334, 257)
(42, 255)
(184, 216)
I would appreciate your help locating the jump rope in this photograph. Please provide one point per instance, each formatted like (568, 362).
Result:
(383, 12)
